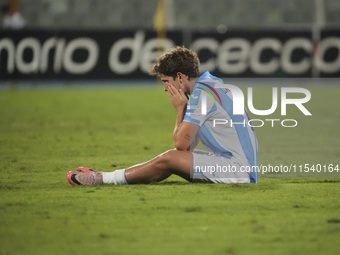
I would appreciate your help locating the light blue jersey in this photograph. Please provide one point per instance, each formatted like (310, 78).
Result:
(221, 131)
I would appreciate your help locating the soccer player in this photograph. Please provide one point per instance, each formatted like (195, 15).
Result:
(231, 155)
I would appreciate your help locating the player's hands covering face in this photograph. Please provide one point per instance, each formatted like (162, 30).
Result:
(177, 98)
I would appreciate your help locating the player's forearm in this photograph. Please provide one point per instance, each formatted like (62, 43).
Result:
(181, 143)
(179, 119)
(194, 143)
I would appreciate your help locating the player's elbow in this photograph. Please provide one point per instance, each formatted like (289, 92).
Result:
(181, 146)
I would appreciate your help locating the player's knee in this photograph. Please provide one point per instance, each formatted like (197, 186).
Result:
(166, 158)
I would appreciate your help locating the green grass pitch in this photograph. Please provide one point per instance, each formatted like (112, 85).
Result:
(44, 133)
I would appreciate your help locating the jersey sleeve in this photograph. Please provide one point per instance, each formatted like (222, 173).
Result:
(199, 107)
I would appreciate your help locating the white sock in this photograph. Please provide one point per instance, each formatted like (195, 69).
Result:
(116, 177)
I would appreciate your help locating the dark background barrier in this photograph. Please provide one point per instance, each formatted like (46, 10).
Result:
(106, 54)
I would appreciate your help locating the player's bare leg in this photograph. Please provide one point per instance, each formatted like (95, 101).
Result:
(159, 168)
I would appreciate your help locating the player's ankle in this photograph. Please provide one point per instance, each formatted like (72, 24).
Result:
(117, 177)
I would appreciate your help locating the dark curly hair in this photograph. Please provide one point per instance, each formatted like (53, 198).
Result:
(179, 59)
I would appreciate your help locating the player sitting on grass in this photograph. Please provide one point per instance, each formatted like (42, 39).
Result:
(231, 149)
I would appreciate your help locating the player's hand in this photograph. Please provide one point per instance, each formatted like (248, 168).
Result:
(177, 98)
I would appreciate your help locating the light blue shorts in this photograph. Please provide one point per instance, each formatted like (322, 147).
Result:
(211, 167)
